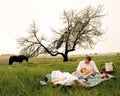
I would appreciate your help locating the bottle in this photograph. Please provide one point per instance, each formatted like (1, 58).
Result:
(106, 75)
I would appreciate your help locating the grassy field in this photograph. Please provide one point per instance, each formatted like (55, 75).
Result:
(23, 79)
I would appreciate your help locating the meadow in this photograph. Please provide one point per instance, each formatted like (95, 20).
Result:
(24, 79)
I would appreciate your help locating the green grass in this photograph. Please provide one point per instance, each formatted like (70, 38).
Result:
(23, 79)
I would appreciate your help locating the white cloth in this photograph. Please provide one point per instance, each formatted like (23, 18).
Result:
(109, 66)
(91, 66)
(57, 74)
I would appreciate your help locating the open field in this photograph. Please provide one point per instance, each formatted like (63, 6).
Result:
(23, 79)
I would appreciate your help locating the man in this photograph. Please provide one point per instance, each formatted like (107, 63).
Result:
(88, 64)
(86, 69)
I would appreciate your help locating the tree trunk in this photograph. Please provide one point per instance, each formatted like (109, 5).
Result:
(65, 57)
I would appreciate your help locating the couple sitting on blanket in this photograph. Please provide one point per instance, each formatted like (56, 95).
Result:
(85, 70)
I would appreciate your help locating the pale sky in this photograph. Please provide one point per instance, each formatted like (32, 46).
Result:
(17, 15)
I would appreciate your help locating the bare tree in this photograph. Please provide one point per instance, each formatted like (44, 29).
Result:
(81, 29)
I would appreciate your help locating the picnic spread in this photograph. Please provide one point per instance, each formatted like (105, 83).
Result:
(71, 80)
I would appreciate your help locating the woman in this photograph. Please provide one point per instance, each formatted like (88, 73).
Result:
(83, 74)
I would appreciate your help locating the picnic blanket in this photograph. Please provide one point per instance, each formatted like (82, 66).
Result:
(94, 81)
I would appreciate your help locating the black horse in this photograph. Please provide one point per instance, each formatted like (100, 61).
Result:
(19, 59)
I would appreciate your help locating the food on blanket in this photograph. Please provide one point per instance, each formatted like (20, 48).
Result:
(103, 77)
(106, 75)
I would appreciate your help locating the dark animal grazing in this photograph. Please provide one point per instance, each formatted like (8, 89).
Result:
(19, 59)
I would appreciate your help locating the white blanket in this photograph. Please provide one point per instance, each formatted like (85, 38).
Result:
(58, 74)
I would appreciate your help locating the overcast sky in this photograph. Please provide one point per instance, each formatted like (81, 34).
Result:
(17, 15)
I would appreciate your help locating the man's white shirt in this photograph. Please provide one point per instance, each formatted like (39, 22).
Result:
(91, 66)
